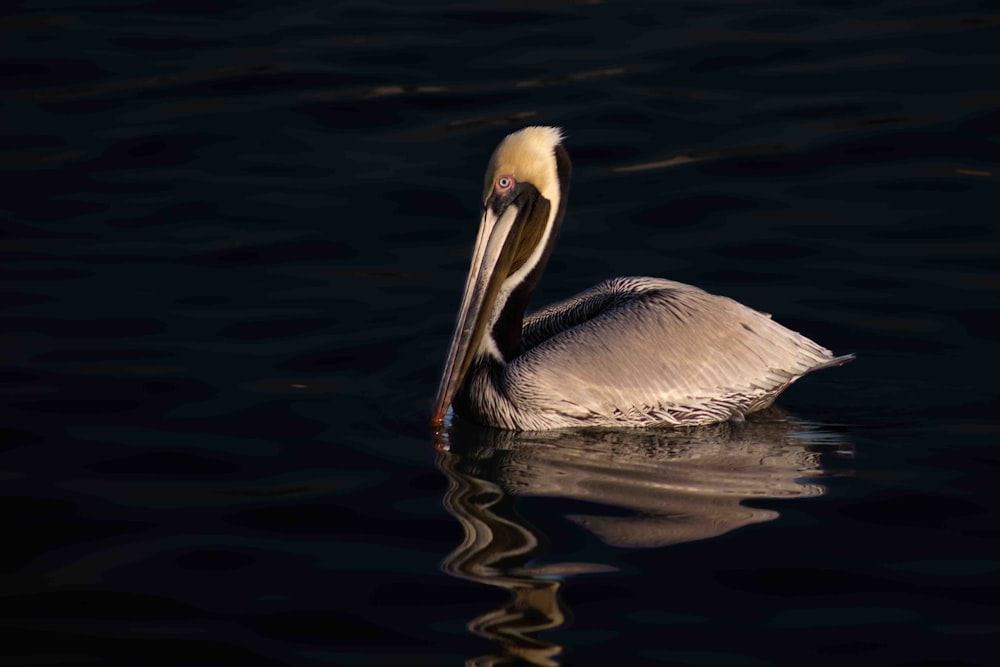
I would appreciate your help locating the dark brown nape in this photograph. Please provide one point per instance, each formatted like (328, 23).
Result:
(506, 331)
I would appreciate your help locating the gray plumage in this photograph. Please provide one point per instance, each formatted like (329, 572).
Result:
(641, 352)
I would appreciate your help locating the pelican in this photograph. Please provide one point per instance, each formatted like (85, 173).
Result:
(628, 352)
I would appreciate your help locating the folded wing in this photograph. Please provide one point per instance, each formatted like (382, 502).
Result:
(643, 350)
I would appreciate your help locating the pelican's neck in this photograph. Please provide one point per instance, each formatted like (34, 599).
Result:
(508, 319)
(503, 337)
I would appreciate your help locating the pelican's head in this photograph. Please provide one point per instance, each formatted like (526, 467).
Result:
(527, 156)
(524, 198)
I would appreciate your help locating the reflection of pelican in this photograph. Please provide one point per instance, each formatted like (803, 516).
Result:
(628, 352)
(675, 485)
(497, 544)
(681, 485)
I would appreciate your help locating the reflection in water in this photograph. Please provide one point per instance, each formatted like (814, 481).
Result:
(678, 485)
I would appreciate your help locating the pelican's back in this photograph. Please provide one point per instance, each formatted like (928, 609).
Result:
(640, 351)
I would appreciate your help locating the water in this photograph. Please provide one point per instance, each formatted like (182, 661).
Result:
(234, 237)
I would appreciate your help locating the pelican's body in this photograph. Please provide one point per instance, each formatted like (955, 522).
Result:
(628, 352)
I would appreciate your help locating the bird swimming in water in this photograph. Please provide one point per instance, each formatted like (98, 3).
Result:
(627, 352)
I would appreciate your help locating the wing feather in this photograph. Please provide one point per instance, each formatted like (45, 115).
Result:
(645, 350)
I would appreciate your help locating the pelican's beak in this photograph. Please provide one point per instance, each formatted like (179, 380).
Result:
(492, 259)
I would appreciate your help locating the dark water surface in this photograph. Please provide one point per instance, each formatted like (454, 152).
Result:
(234, 236)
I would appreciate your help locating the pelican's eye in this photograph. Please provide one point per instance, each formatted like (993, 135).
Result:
(504, 184)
